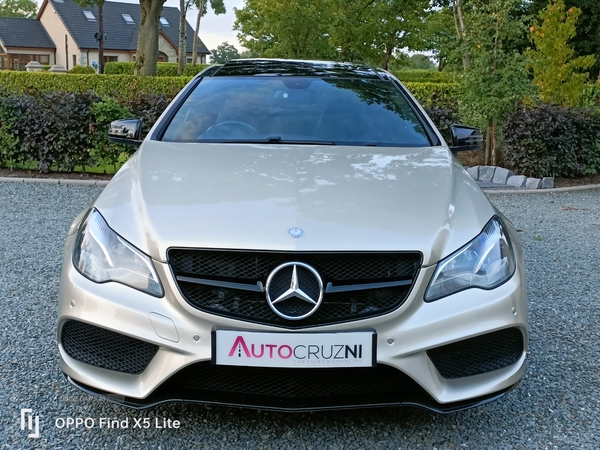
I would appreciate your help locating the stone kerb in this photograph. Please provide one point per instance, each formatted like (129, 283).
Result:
(505, 177)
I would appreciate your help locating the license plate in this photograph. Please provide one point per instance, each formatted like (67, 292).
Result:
(299, 350)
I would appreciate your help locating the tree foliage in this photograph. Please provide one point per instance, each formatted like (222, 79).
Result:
(280, 28)
(218, 7)
(587, 38)
(223, 53)
(18, 8)
(349, 30)
(496, 77)
(557, 73)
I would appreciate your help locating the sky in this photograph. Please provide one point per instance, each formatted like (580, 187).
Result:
(214, 30)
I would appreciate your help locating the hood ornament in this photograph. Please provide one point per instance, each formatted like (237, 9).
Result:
(295, 232)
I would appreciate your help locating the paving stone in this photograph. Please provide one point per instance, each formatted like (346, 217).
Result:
(533, 183)
(547, 182)
(501, 175)
(474, 172)
(516, 180)
(486, 173)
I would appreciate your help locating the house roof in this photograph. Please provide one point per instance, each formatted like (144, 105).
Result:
(120, 35)
(24, 33)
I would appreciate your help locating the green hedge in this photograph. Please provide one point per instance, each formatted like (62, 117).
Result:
(64, 130)
(162, 69)
(435, 94)
(425, 76)
(121, 86)
(549, 140)
(83, 70)
(127, 86)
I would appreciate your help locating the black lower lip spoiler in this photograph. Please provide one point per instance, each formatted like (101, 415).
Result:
(254, 403)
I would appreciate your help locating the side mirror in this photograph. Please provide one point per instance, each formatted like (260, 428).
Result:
(125, 131)
(465, 138)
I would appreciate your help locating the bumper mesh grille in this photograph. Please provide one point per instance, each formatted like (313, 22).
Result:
(253, 267)
(106, 349)
(478, 355)
(292, 388)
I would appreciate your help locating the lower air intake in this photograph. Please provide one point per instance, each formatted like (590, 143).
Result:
(106, 349)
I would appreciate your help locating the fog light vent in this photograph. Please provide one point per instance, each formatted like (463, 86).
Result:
(106, 349)
(478, 355)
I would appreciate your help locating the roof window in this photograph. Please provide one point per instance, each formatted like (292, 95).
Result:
(164, 22)
(128, 19)
(89, 16)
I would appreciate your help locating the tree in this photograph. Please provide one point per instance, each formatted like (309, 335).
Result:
(223, 53)
(420, 61)
(147, 43)
(347, 30)
(557, 73)
(496, 77)
(184, 5)
(284, 29)
(218, 7)
(587, 37)
(18, 8)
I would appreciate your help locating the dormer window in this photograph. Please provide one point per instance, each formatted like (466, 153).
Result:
(128, 19)
(89, 16)
(164, 22)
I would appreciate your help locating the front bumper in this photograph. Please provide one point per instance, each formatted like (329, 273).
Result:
(181, 336)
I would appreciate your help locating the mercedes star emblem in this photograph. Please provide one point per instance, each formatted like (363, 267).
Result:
(295, 232)
(294, 290)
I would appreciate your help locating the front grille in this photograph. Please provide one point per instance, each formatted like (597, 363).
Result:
(478, 355)
(336, 269)
(106, 349)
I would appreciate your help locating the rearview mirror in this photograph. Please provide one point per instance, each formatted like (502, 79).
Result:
(465, 138)
(125, 131)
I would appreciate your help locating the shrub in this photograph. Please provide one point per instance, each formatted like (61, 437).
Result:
(103, 151)
(51, 128)
(424, 76)
(443, 117)
(550, 140)
(162, 69)
(434, 94)
(119, 86)
(83, 70)
(148, 107)
(64, 129)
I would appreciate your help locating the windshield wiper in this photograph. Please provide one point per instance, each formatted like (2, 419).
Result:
(269, 140)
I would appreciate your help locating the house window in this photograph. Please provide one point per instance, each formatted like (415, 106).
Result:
(89, 16)
(111, 59)
(164, 22)
(19, 61)
(128, 19)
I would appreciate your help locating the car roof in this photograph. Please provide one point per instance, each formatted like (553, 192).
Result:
(288, 67)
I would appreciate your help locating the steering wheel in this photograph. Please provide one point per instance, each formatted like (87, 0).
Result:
(234, 122)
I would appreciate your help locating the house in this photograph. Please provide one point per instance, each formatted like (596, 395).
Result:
(71, 29)
(22, 41)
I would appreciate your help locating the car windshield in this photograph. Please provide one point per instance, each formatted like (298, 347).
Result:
(302, 110)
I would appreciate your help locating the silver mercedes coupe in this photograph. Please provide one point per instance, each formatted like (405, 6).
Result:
(293, 235)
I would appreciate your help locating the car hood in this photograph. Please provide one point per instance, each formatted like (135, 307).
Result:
(247, 196)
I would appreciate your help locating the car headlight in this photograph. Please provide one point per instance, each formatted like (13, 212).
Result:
(486, 262)
(102, 255)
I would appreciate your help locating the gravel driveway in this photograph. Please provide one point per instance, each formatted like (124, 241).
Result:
(556, 406)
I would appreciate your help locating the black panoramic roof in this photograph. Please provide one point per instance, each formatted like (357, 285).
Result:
(286, 67)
